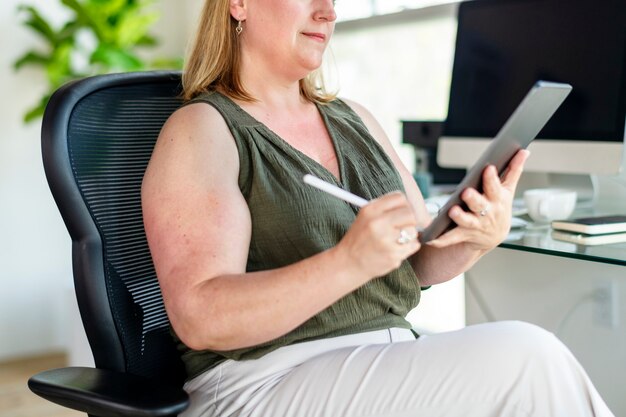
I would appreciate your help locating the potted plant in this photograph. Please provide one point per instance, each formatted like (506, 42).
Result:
(100, 36)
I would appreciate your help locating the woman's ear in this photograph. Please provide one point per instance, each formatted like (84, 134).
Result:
(238, 9)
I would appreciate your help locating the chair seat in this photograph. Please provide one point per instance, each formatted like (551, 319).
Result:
(107, 393)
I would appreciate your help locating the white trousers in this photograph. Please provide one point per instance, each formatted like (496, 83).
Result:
(490, 370)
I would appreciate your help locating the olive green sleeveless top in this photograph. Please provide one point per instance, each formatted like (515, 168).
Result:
(292, 221)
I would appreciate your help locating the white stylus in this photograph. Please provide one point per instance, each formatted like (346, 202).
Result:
(338, 192)
(334, 190)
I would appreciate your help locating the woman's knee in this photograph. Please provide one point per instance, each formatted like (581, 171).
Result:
(527, 341)
(527, 333)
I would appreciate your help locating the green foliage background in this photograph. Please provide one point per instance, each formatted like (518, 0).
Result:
(120, 28)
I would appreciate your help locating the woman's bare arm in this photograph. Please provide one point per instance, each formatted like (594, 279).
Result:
(454, 253)
(198, 227)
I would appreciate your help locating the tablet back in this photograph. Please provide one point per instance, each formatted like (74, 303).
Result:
(541, 102)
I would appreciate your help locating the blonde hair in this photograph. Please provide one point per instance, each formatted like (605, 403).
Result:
(214, 61)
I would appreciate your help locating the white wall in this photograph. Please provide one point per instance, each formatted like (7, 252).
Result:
(34, 250)
(35, 258)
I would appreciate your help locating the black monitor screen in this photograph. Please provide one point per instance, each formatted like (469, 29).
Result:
(504, 46)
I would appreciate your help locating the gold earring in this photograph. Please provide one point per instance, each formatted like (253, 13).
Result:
(239, 28)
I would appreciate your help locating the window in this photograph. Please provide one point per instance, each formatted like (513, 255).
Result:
(359, 9)
(397, 65)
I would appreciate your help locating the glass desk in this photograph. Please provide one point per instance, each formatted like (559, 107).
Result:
(539, 240)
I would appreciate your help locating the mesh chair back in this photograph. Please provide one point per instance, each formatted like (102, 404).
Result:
(97, 137)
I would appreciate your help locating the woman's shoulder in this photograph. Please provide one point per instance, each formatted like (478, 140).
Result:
(210, 97)
(192, 140)
(357, 108)
(196, 116)
(347, 108)
(196, 128)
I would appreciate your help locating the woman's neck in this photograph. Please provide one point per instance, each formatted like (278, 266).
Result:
(273, 90)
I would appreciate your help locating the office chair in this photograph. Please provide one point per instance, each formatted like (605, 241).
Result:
(97, 137)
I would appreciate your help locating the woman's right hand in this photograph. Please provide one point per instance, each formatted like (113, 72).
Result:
(373, 243)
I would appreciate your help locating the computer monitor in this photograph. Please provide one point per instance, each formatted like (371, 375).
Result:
(504, 46)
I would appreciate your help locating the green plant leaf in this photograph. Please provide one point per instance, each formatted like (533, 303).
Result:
(116, 59)
(132, 27)
(69, 30)
(105, 14)
(59, 68)
(85, 18)
(38, 24)
(147, 40)
(34, 113)
(31, 58)
(120, 27)
(37, 111)
(106, 7)
(167, 63)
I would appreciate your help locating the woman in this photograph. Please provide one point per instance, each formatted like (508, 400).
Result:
(288, 302)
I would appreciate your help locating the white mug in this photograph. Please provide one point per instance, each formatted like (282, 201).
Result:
(547, 204)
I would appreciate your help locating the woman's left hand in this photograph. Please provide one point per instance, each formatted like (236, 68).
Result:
(489, 220)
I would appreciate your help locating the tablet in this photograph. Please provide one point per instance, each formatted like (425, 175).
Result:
(543, 99)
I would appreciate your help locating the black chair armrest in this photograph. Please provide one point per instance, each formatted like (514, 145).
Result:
(105, 393)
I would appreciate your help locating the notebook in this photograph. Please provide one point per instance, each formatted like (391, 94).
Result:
(590, 240)
(593, 225)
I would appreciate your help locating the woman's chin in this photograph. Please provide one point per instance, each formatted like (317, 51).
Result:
(313, 66)
(311, 63)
